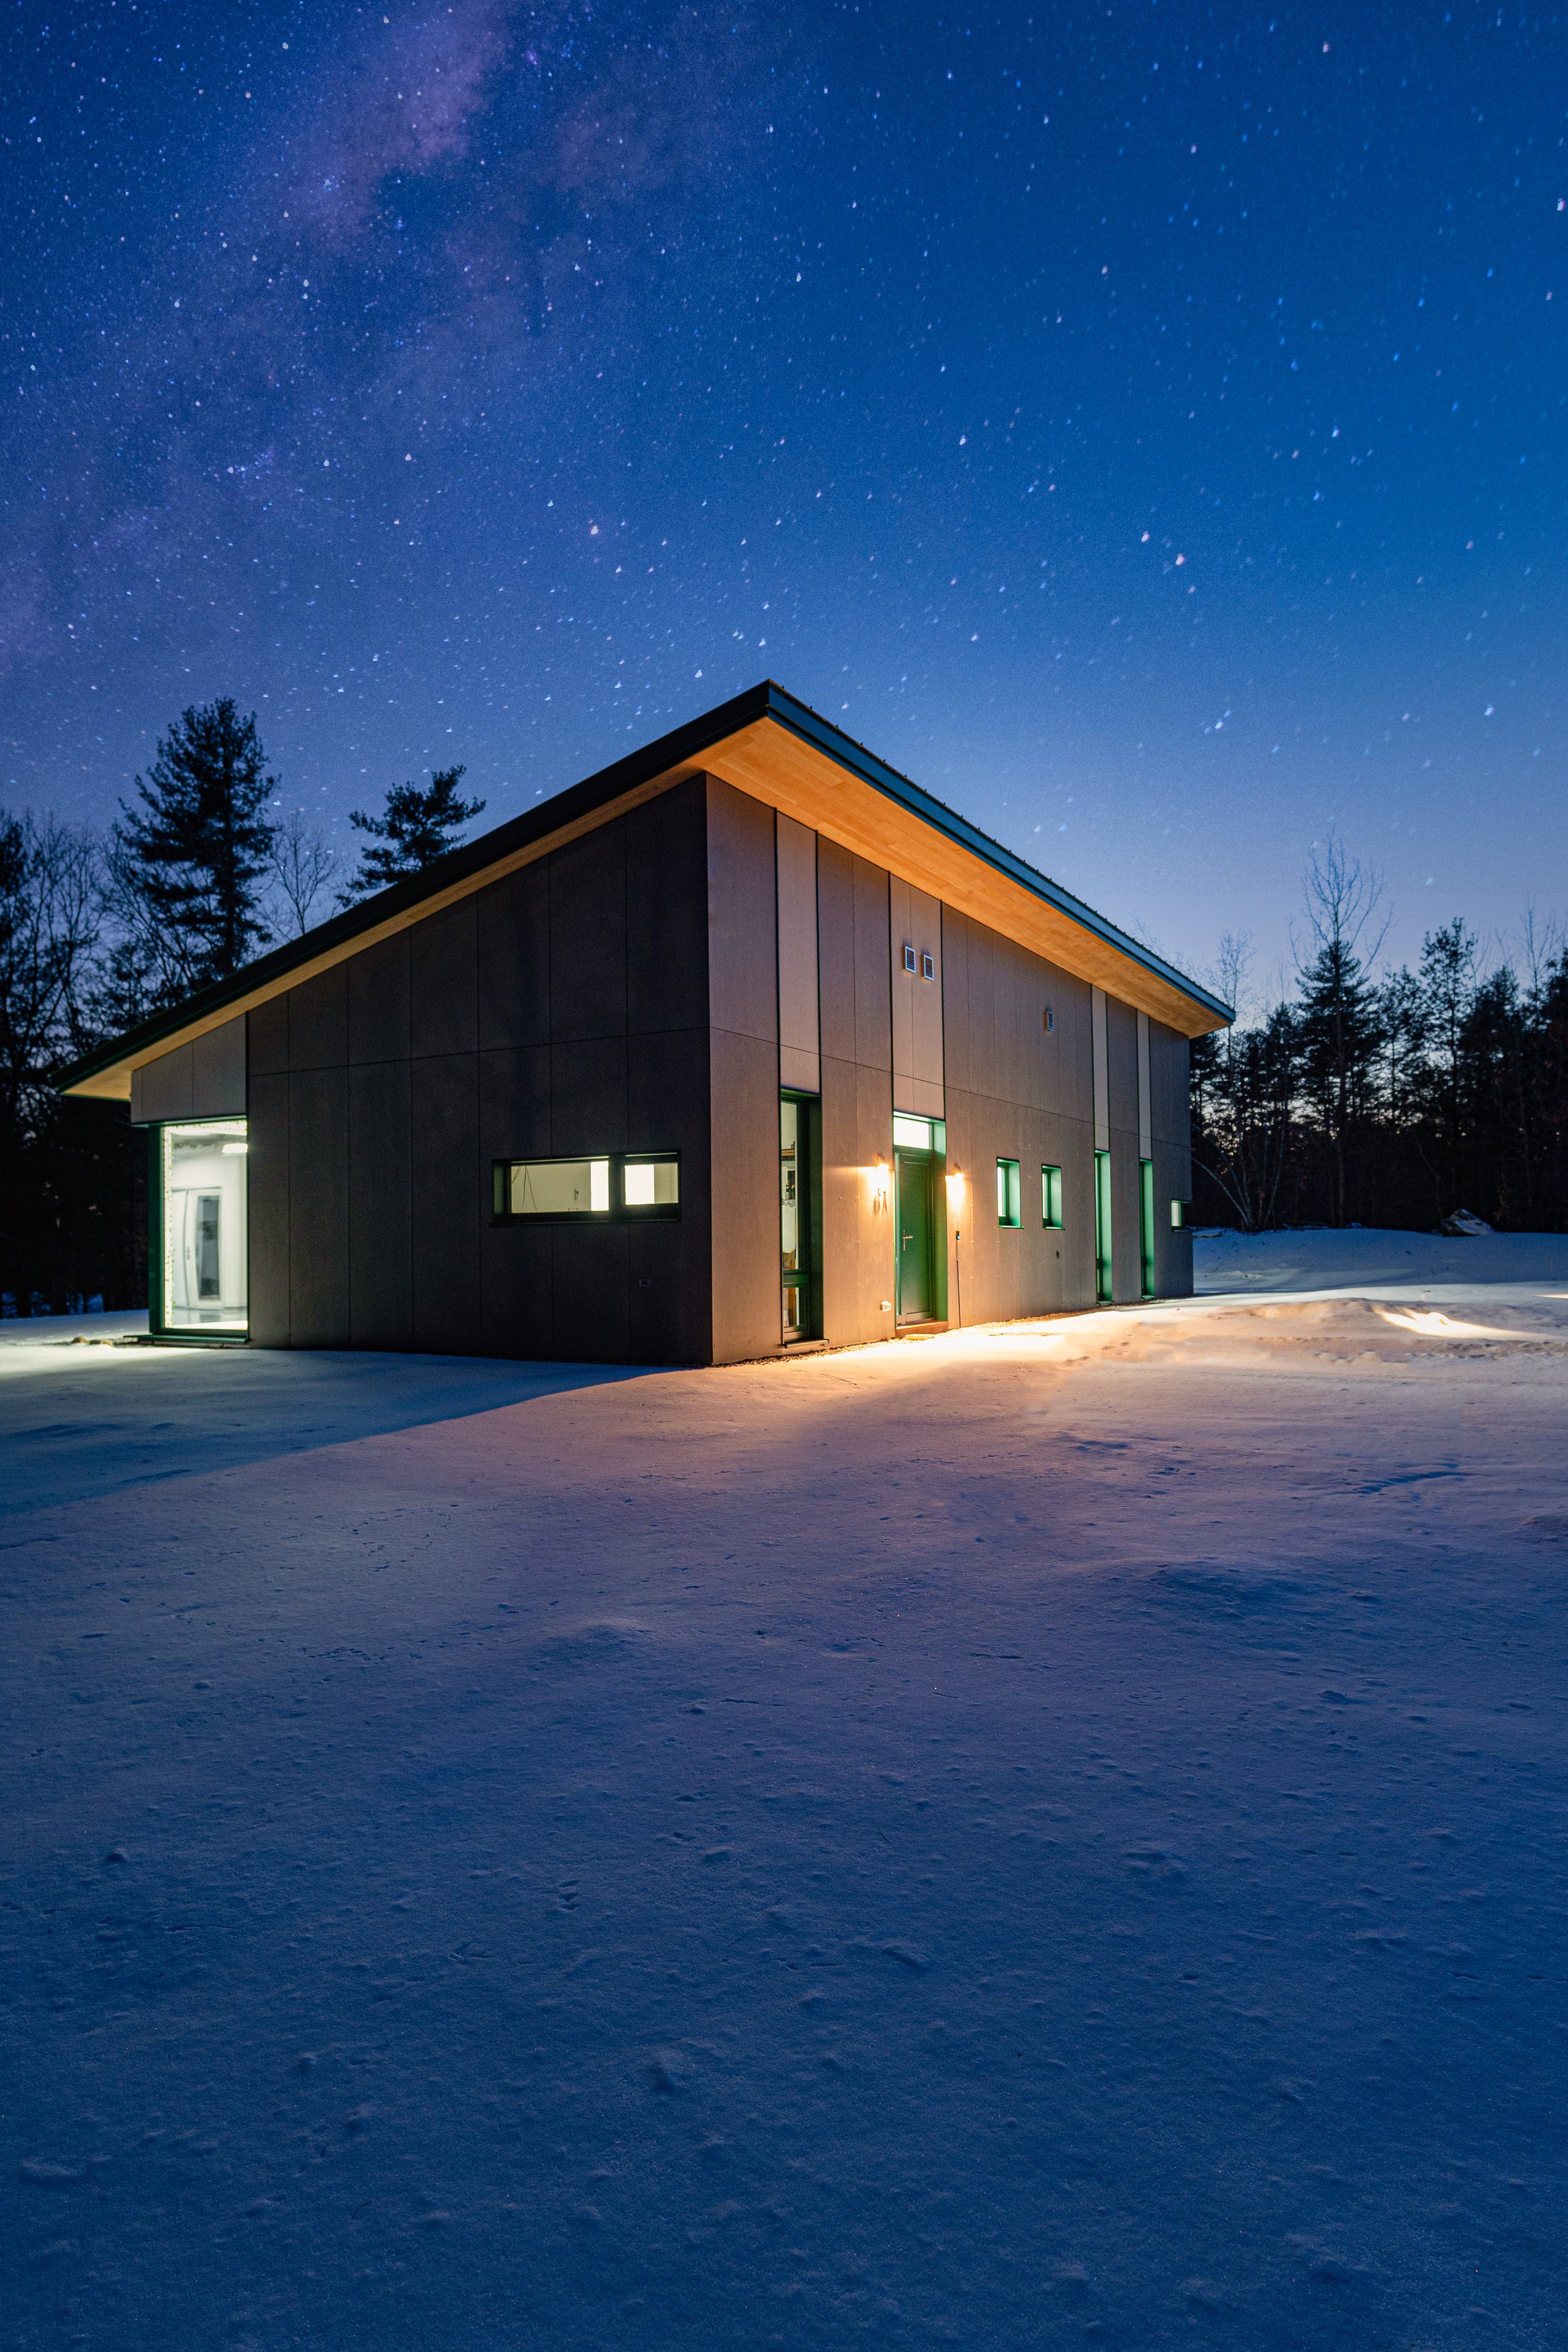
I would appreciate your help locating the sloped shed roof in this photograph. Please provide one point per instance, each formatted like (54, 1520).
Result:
(769, 745)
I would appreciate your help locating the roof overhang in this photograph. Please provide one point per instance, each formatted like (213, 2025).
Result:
(768, 745)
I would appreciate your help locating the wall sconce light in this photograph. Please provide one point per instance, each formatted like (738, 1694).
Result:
(881, 1185)
(956, 1188)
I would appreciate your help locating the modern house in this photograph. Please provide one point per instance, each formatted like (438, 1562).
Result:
(745, 1045)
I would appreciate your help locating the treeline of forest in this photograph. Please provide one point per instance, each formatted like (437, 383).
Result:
(1387, 1099)
(202, 869)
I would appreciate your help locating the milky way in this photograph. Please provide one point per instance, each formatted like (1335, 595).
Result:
(1143, 426)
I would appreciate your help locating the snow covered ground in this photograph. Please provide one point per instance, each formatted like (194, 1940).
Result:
(1051, 1834)
(1319, 1259)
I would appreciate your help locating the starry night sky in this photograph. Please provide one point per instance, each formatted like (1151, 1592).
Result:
(1141, 424)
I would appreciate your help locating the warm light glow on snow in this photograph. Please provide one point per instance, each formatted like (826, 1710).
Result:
(1435, 1324)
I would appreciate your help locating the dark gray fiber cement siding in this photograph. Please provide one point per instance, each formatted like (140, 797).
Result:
(563, 1010)
(621, 994)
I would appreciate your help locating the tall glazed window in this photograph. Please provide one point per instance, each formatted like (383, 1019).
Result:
(202, 1235)
(799, 1221)
(1146, 1224)
(1103, 1286)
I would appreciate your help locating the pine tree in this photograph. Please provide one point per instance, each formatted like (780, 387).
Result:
(1339, 1037)
(1549, 1027)
(187, 865)
(1448, 996)
(1496, 1099)
(1336, 1017)
(1400, 1020)
(415, 829)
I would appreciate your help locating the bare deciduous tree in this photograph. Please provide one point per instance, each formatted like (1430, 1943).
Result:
(49, 890)
(303, 864)
(1337, 1023)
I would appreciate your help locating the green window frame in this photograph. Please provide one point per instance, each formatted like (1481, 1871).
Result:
(1009, 1194)
(911, 1134)
(1179, 1210)
(1146, 1224)
(1051, 1198)
(595, 1187)
(1104, 1277)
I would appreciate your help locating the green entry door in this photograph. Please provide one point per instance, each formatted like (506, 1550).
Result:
(917, 1237)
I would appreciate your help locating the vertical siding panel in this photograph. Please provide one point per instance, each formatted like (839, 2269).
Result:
(444, 1120)
(873, 996)
(667, 912)
(382, 1240)
(878, 1250)
(319, 1021)
(843, 1185)
(267, 1175)
(378, 993)
(512, 952)
(444, 968)
(743, 915)
(318, 1208)
(800, 1055)
(588, 937)
(742, 951)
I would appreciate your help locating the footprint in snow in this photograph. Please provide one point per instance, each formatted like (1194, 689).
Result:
(576, 1647)
(1153, 1862)
(671, 2069)
(1226, 1591)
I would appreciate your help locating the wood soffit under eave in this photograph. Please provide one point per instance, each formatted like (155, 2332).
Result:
(768, 764)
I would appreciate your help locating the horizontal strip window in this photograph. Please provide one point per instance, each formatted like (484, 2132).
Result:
(615, 1185)
(919, 1134)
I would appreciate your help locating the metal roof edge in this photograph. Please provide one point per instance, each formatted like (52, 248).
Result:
(802, 721)
(767, 699)
(469, 858)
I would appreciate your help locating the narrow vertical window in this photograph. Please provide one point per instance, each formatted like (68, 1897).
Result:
(800, 1289)
(1009, 1202)
(1051, 1199)
(1102, 1269)
(1146, 1224)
